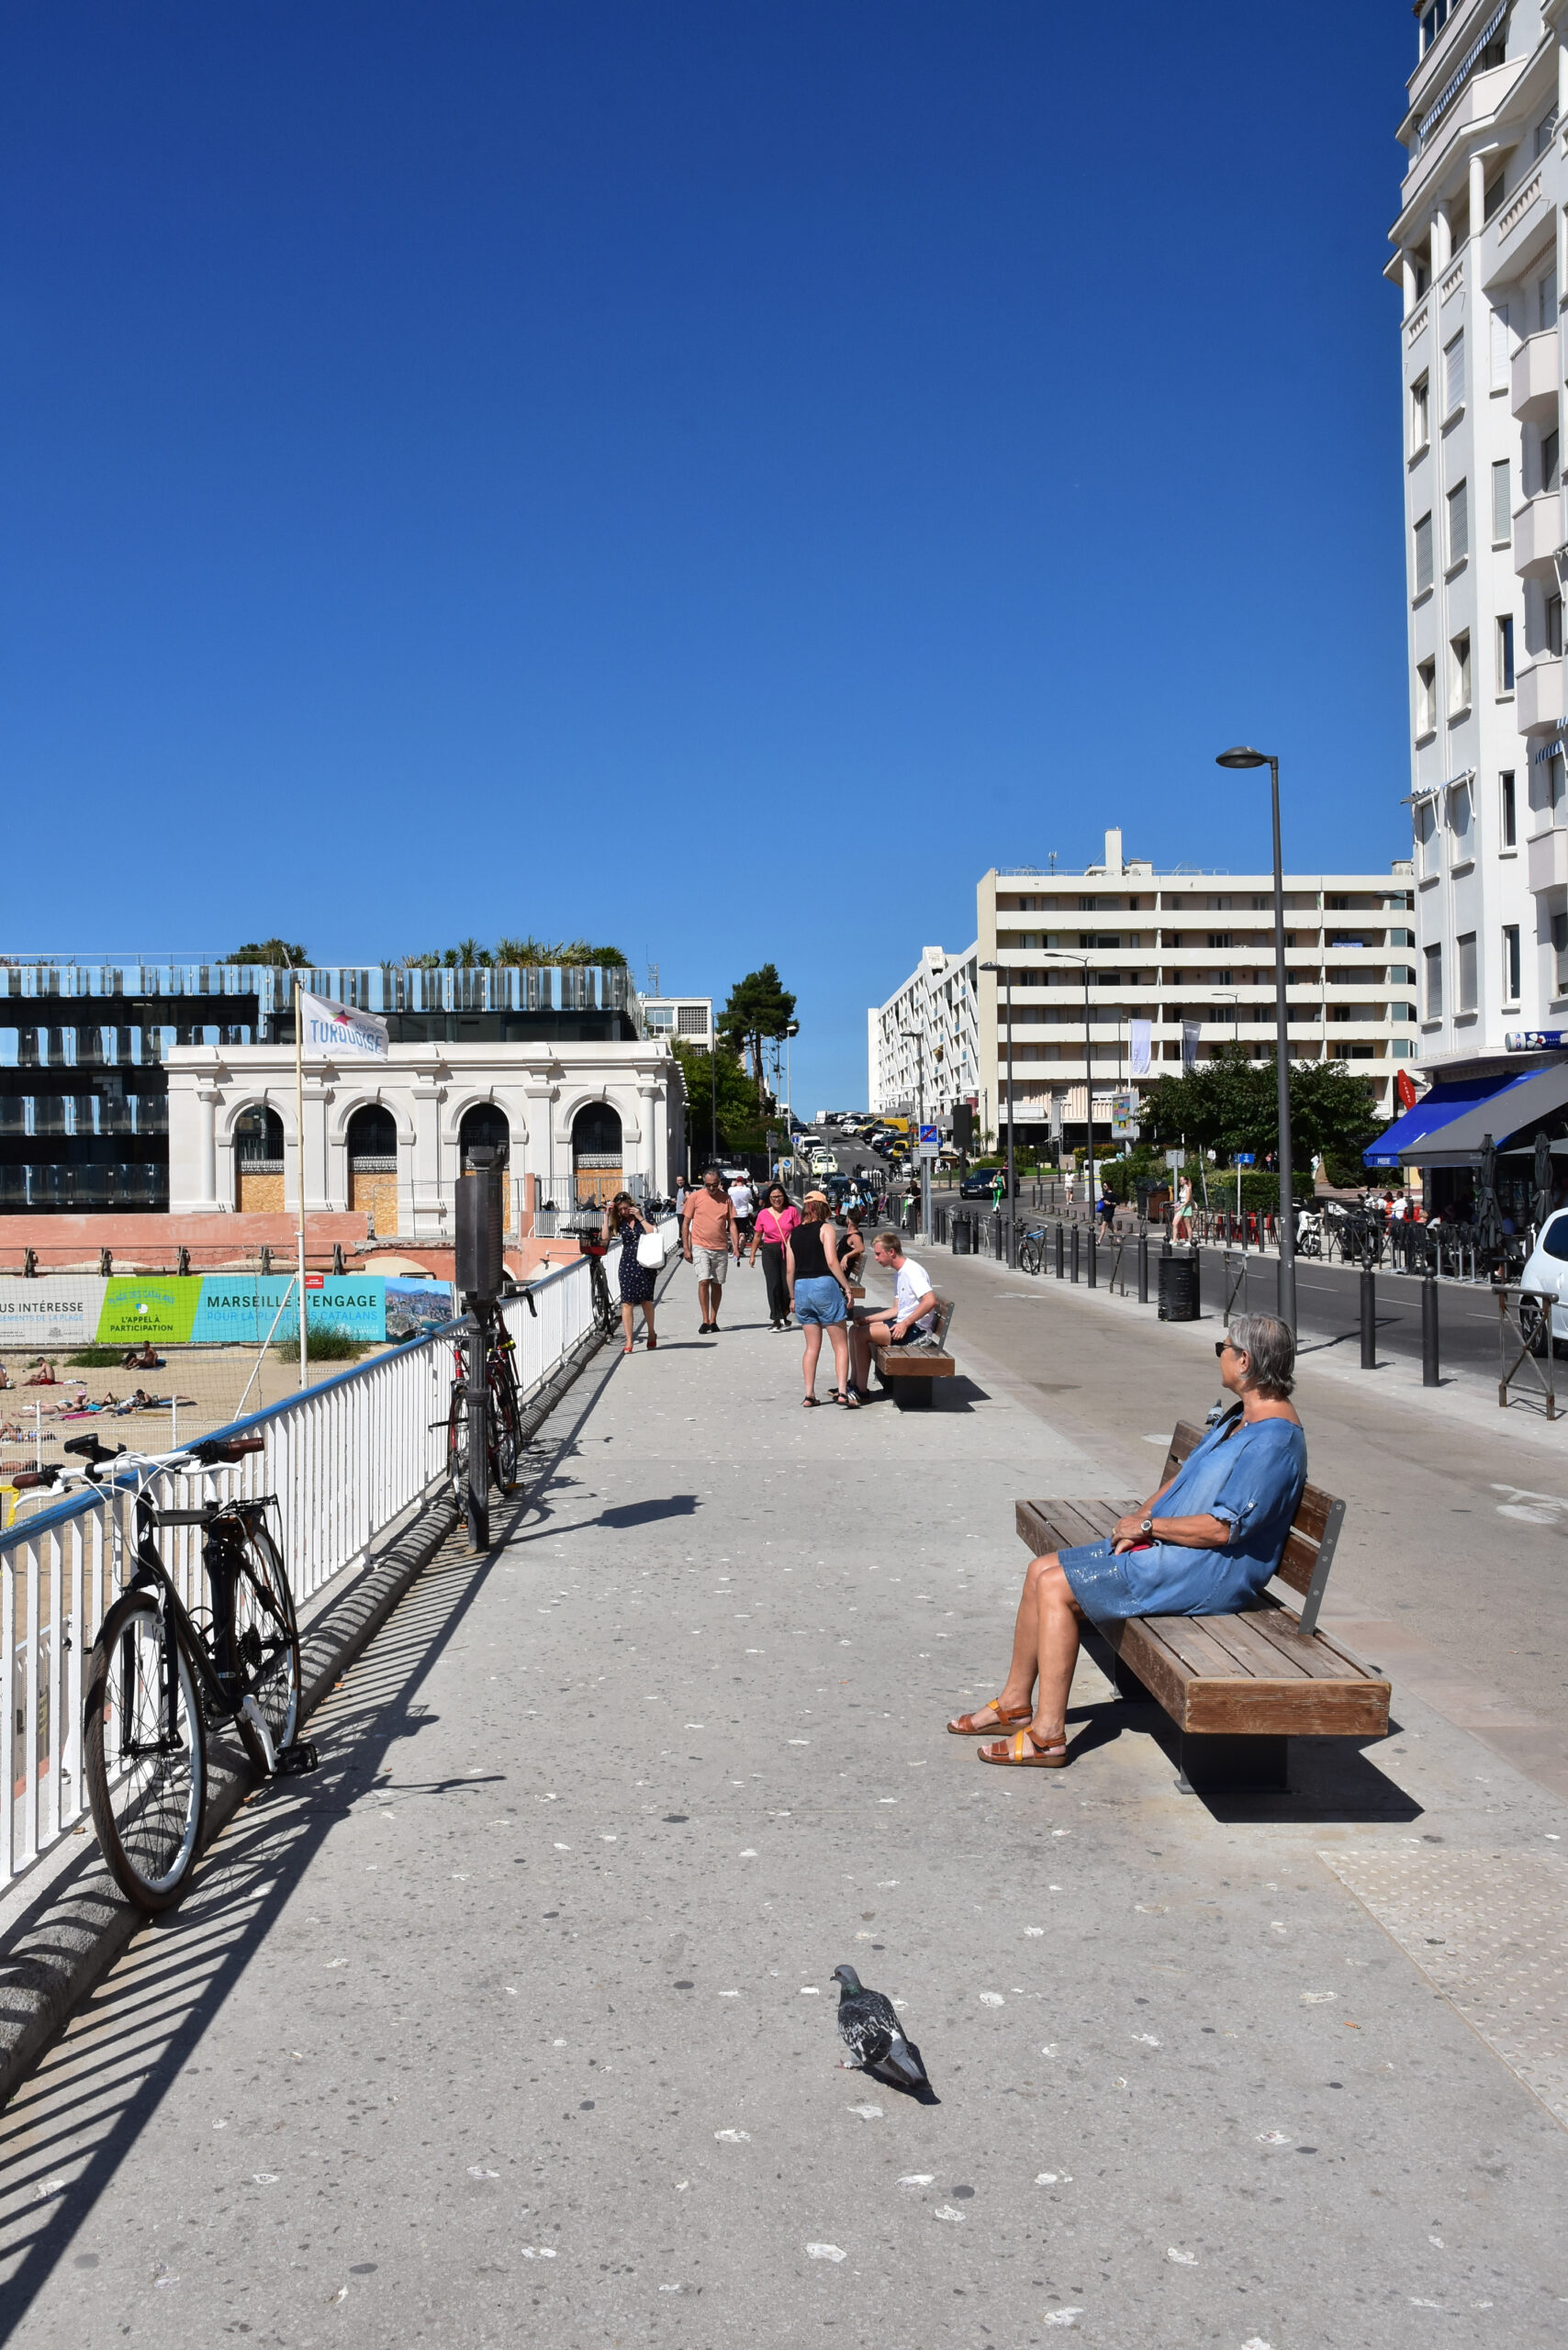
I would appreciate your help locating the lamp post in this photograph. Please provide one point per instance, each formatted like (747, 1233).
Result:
(1005, 976)
(916, 1036)
(1242, 756)
(1223, 995)
(1060, 955)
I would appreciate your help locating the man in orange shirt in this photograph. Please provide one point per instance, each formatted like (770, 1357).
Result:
(709, 1237)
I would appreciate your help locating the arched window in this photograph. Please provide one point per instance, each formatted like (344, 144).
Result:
(487, 1126)
(595, 1152)
(373, 1167)
(258, 1161)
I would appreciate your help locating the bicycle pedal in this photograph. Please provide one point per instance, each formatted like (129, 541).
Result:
(294, 1761)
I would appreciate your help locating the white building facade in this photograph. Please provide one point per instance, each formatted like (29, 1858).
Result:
(688, 1019)
(1479, 262)
(923, 1045)
(1173, 949)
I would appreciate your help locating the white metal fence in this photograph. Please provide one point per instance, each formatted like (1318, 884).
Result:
(344, 1459)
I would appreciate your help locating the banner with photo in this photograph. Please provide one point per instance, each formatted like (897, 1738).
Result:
(63, 1310)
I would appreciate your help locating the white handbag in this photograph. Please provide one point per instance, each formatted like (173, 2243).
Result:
(651, 1250)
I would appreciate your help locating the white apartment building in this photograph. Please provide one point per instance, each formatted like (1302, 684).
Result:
(1179, 948)
(1478, 259)
(686, 1019)
(926, 1034)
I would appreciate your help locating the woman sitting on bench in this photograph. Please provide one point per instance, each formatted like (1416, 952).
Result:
(1205, 1544)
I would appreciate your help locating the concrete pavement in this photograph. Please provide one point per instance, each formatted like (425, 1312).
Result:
(518, 2018)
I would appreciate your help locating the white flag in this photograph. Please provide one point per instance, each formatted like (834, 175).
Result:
(336, 1028)
(1139, 1040)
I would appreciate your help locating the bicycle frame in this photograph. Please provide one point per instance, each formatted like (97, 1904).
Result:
(217, 1668)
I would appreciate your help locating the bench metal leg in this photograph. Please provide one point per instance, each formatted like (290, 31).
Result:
(913, 1395)
(1128, 1686)
(1213, 1764)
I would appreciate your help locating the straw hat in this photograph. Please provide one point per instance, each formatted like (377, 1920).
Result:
(812, 1196)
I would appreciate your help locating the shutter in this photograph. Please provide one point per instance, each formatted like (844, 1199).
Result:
(1458, 524)
(1502, 500)
(1453, 373)
(1423, 554)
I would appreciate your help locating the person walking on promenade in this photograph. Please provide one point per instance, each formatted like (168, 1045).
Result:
(709, 1239)
(627, 1223)
(773, 1225)
(819, 1296)
(743, 1199)
(852, 1246)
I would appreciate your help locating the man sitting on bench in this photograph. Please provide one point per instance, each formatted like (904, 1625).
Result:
(1205, 1544)
(915, 1311)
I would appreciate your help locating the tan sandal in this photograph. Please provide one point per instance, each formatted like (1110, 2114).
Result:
(971, 1726)
(1024, 1751)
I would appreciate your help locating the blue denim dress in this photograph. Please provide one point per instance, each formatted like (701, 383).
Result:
(1251, 1475)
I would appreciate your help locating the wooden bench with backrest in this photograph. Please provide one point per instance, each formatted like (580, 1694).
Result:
(1236, 1687)
(909, 1373)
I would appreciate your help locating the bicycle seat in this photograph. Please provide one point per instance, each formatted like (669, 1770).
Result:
(90, 1448)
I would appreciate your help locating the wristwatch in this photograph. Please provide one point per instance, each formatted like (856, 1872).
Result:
(1146, 1528)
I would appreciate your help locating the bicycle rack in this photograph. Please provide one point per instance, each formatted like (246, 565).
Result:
(1116, 1273)
(1234, 1285)
(1511, 1333)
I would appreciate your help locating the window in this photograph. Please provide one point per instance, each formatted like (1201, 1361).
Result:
(1459, 673)
(1433, 19)
(1560, 949)
(693, 1019)
(1433, 960)
(1458, 524)
(1427, 838)
(1493, 197)
(1506, 796)
(1554, 623)
(1423, 554)
(1502, 501)
(1419, 435)
(1460, 822)
(1501, 353)
(1466, 947)
(1219, 940)
(1543, 131)
(1426, 698)
(1506, 653)
(1453, 373)
(1556, 785)
(1549, 472)
(1546, 301)
(1423, 278)
(1510, 962)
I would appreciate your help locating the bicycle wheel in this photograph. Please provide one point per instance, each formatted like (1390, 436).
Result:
(458, 1445)
(1029, 1257)
(145, 1758)
(505, 1434)
(267, 1642)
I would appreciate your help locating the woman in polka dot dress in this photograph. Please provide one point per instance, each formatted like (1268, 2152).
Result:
(627, 1223)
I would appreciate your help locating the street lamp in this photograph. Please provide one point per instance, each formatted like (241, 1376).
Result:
(1005, 976)
(1060, 955)
(1242, 756)
(1223, 995)
(916, 1036)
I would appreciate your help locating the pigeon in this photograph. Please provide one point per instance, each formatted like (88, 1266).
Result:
(871, 2031)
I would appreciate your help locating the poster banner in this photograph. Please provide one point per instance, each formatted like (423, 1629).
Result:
(148, 1307)
(1189, 1044)
(242, 1309)
(1140, 1045)
(56, 1310)
(61, 1310)
(338, 1029)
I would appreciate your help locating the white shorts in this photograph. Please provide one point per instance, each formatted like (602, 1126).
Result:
(712, 1264)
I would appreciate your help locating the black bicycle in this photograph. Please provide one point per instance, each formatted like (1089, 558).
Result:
(1032, 1250)
(157, 1674)
(503, 1412)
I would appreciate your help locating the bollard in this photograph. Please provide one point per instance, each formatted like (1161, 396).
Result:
(1091, 1255)
(1062, 1249)
(1075, 1252)
(1368, 1318)
(1143, 1269)
(1429, 1376)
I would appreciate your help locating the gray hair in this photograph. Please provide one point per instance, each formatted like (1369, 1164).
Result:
(1269, 1351)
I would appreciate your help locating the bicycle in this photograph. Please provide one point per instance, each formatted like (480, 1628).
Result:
(156, 1675)
(606, 1318)
(1032, 1250)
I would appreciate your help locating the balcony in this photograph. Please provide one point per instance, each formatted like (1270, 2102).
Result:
(1548, 853)
(1535, 382)
(1538, 695)
(1538, 534)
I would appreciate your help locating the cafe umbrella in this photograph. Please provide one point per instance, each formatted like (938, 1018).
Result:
(1488, 1215)
(1544, 1185)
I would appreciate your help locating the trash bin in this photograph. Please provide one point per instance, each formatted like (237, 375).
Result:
(962, 1235)
(1179, 1288)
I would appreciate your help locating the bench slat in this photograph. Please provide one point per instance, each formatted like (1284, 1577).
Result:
(1315, 1653)
(1236, 1703)
(913, 1362)
(1196, 1649)
(1255, 1654)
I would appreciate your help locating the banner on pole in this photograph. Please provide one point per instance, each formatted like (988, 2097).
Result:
(338, 1028)
(1139, 1037)
(1190, 1044)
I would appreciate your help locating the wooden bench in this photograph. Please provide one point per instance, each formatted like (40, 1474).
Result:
(1236, 1687)
(910, 1373)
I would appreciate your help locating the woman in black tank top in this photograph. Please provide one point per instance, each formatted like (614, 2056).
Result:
(817, 1295)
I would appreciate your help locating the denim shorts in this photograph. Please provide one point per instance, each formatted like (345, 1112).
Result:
(819, 1299)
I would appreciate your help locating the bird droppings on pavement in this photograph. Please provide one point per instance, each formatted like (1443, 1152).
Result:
(825, 2252)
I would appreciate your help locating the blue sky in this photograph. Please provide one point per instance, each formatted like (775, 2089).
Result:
(712, 476)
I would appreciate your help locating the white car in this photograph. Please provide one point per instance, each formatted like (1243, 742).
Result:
(1546, 1270)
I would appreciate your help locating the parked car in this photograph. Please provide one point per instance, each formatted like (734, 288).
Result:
(1546, 1270)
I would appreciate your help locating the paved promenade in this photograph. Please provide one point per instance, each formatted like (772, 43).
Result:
(516, 2022)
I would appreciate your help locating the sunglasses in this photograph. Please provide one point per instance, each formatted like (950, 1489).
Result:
(1223, 1347)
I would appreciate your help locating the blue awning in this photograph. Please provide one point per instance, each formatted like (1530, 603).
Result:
(1449, 1098)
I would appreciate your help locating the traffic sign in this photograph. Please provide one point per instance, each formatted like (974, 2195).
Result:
(1245, 1159)
(929, 1135)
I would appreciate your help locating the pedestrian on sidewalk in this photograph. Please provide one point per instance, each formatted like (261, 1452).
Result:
(913, 1316)
(743, 1199)
(819, 1296)
(627, 1223)
(1205, 1544)
(852, 1246)
(776, 1221)
(709, 1239)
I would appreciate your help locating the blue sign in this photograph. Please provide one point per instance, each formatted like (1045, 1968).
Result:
(1245, 1159)
(929, 1133)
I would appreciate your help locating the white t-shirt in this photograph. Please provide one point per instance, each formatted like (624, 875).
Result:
(910, 1284)
(741, 1200)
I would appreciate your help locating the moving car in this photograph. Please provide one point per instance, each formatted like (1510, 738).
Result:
(980, 1183)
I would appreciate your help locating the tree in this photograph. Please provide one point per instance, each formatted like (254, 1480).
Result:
(521, 953)
(719, 1077)
(1230, 1104)
(277, 951)
(760, 1006)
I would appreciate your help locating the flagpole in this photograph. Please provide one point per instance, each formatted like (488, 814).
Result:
(299, 1119)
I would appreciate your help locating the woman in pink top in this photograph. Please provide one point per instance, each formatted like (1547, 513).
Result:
(773, 1225)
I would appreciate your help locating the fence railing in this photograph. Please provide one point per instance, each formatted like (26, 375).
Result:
(344, 1459)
